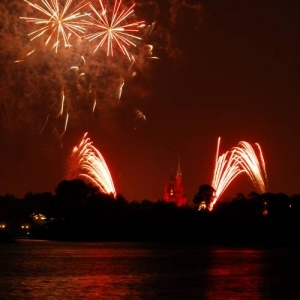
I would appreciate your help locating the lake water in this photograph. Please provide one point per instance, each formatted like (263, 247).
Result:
(111, 271)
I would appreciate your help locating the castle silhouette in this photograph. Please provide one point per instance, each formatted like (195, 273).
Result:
(173, 189)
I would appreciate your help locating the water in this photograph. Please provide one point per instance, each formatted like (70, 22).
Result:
(111, 271)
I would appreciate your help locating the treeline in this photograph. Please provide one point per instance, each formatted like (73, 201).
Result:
(78, 212)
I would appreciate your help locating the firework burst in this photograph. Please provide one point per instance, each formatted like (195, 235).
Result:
(72, 86)
(59, 21)
(80, 79)
(114, 29)
(88, 164)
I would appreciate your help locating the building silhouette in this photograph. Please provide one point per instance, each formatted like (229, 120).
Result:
(173, 189)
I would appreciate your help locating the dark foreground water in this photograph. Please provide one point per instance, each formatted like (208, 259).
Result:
(58, 270)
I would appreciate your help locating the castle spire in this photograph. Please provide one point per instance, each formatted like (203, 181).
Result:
(173, 191)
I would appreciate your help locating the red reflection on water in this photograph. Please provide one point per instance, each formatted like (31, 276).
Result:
(235, 274)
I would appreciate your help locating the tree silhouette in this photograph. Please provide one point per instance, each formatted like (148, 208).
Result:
(74, 191)
(206, 193)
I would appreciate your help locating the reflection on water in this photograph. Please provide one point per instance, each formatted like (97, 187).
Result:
(58, 270)
(235, 272)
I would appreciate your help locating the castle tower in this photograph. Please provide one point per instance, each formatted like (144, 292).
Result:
(173, 189)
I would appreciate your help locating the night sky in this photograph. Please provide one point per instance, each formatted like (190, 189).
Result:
(235, 75)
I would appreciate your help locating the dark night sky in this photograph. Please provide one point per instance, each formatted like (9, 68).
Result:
(238, 78)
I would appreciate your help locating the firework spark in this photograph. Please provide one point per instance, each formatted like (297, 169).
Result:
(59, 22)
(88, 164)
(114, 30)
(240, 159)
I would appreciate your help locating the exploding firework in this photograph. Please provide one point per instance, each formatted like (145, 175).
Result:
(53, 91)
(240, 159)
(113, 29)
(77, 81)
(62, 20)
(59, 22)
(87, 163)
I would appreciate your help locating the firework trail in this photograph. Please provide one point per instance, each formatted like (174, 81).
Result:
(226, 170)
(87, 163)
(240, 159)
(253, 165)
(217, 157)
